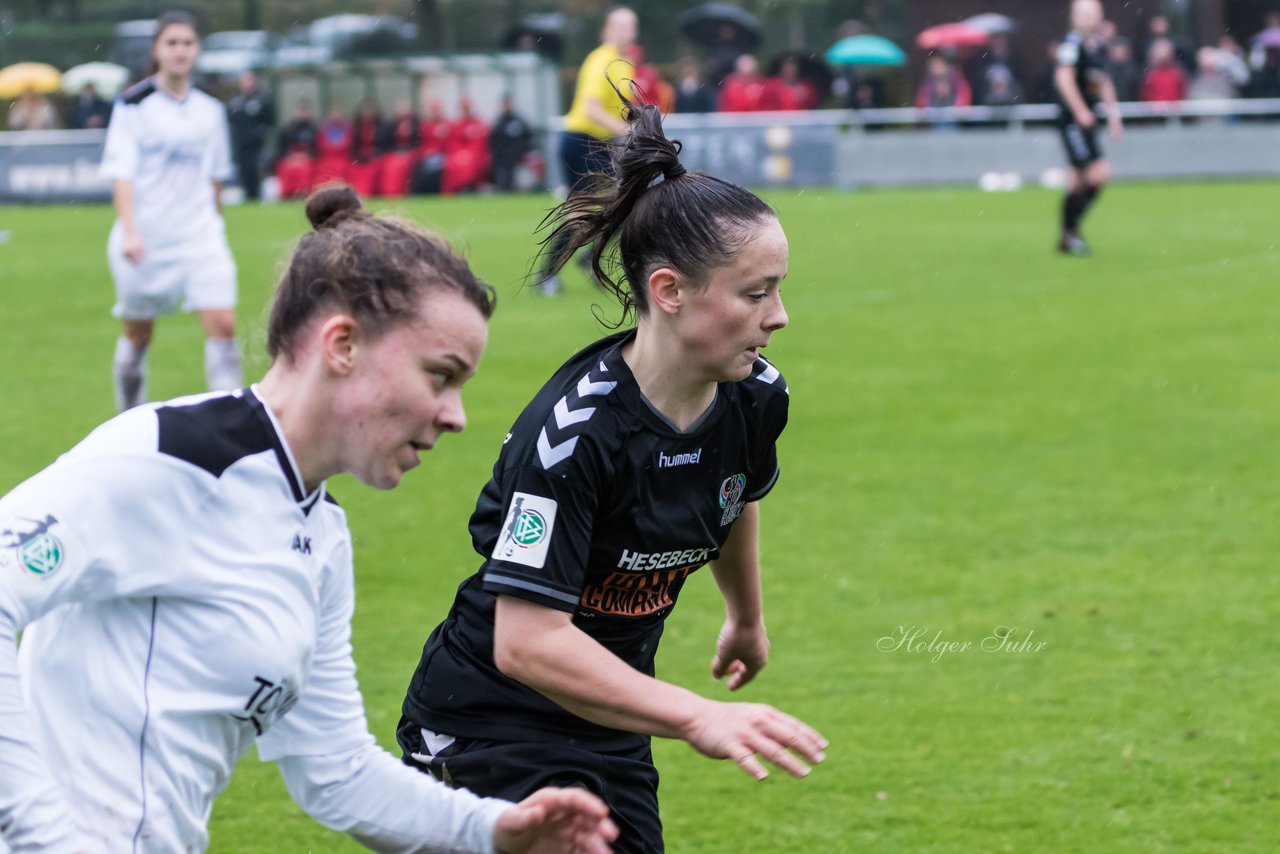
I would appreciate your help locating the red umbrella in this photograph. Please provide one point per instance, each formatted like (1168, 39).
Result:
(952, 35)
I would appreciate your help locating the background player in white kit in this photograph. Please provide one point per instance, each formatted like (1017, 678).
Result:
(167, 150)
(185, 581)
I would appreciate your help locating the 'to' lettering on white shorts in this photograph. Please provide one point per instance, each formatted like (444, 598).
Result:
(201, 275)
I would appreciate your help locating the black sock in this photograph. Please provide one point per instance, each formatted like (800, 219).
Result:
(1073, 207)
(1091, 194)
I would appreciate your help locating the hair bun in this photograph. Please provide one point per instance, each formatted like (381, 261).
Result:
(331, 205)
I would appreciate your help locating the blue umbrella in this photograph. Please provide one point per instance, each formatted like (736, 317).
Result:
(865, 50)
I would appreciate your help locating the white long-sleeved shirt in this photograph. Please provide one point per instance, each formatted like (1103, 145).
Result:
(180, 597)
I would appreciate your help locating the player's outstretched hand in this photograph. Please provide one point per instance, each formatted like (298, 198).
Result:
(749, 732)
(741, 653)
(556, 821)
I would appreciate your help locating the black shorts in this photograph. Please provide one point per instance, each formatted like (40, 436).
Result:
(1081, 144)
(625, 780)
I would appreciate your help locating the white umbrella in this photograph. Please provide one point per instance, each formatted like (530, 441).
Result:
(107, 77)
(992, 22)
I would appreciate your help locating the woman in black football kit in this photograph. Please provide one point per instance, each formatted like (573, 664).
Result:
(639, 461)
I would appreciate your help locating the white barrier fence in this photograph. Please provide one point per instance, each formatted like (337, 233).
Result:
(829, 148)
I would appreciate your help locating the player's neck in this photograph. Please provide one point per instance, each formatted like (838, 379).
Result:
(176, 85)
(285, 393)
(667, 381)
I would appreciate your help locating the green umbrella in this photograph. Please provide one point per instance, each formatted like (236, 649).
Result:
(865, 50)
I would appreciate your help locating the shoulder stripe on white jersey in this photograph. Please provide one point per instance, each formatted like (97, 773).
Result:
(560, 434)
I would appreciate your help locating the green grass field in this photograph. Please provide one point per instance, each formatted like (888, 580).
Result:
(982, 434)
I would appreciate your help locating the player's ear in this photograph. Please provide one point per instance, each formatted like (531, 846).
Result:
(339, 340)
(666, 290)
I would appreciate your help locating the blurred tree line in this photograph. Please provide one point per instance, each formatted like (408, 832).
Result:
(67, 32)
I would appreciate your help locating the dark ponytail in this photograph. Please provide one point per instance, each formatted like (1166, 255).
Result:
(648, 212)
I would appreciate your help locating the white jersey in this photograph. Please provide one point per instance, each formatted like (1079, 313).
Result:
(181, 598)
(172, 150)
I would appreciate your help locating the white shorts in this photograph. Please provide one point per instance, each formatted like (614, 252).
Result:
(202, 276)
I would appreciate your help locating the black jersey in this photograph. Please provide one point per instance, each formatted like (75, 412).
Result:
(600, 507)
(1088, 59)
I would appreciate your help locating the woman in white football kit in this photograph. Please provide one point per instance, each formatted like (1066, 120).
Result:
(168, 153)
(183, 580)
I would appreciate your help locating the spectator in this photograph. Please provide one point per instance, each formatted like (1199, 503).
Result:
(466, 154)
(435, 129)
(404, 138)
(1233, 62)
(995, 55)
(1000, 88)
(1158, 30)
(296, 152)
(693, 95)
(368, 143)
(1265, 82)
(251, 116)
(942, 86)
(428, 168)
(90, 110)
(647, 83)
(1045, 91)
(722, 57)
(1258, 50)
(1211, 82)
(745, 90)
(32, 111)
(868, 94)
(333, 147)
(794, 92)
(1165, 81)
(1125, 74)
(510, 139)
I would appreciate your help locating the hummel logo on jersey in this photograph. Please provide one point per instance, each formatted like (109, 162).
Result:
(301, 544)
(560, 435)
(670, 462)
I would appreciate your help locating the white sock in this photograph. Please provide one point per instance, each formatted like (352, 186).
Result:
(129, 368)
(222, 366)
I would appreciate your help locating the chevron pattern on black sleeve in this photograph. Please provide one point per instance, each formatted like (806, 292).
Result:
(570, 415)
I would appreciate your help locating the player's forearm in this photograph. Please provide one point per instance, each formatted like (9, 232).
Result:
(558, 660)
(737, 570)
(122, 198)
(387, 806)
(1064, 80)
(34, 814)
(598, 114)
(1109, 99)
(217, 196)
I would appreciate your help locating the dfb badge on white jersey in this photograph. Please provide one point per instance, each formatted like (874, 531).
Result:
(526, 533)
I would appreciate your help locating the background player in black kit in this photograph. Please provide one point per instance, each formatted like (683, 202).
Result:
(1082, 81)
(641, 460)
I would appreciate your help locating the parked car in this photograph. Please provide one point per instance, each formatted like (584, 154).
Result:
(131, 46)
(342, 36)
(228, 53)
